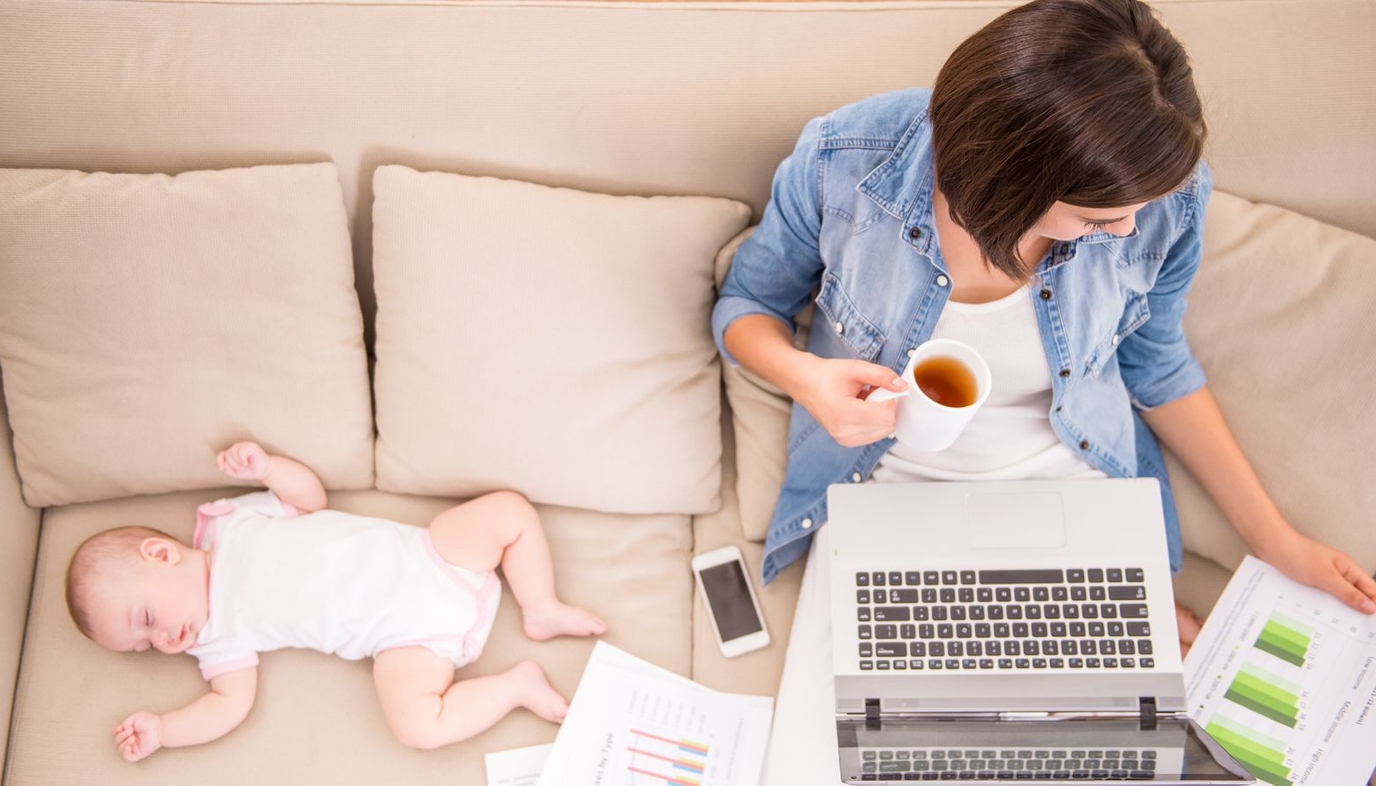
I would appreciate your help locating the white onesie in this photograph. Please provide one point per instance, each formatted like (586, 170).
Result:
(330, 581)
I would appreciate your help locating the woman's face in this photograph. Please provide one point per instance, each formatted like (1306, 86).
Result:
(1068, 222)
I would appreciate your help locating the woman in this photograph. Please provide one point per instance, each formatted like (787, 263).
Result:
(1043, 202)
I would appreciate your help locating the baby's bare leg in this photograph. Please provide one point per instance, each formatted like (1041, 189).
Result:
(503, 528)
(425, 707)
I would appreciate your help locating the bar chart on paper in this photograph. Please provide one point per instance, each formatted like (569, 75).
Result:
(658, 760)
(634, 724)
(1284, 678)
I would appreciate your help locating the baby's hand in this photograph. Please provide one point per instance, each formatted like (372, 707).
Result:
(139, 736)
(244, 461)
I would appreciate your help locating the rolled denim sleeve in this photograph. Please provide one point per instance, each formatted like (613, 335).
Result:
(776, 270)
(1156, 362)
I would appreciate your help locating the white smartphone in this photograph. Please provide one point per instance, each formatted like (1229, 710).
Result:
(730, 599)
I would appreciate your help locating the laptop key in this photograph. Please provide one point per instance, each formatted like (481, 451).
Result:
(948, 577)
(1005, 663)
(880, 596)
(907, 630)
(930, 577)
(1032, 576)
(917, 649)
(895, 578)
(877, 578)
(886, 649)
(882, 665)
(867, 665)
(866, 650)
(1096, 574)
(1134, 575)
(912, 578)
(886, 631)
(1127, 592)
(862, 614)
(1144, 647)
(1127, 647)
(904, 595)
(862, 579)
(1132, 610)
(865, 633)
(892, 614)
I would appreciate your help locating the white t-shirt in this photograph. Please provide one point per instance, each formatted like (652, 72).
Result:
(331, 581)
(1010, 437)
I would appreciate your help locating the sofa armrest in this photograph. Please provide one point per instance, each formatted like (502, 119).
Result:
(18, 550)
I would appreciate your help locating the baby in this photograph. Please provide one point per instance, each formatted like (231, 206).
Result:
(271, 569)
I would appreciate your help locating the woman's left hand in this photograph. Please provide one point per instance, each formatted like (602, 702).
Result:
(1310, 562)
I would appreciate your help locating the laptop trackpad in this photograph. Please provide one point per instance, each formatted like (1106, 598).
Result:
(1016, 520)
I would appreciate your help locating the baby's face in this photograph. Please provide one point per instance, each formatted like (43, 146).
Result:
(161, 603)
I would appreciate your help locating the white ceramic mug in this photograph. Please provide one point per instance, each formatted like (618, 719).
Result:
(923, 424)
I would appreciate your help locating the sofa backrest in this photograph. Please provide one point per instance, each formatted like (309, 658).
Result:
(624, 98)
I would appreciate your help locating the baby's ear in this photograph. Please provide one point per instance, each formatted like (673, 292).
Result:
(160, 550)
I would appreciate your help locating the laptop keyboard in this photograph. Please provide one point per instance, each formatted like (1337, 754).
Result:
(907, 764)
(1000, 620)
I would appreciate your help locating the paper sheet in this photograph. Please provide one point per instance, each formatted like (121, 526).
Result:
(632, 723)
(1284, 677)
(518, 767)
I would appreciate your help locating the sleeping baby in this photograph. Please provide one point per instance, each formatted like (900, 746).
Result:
(272, 569)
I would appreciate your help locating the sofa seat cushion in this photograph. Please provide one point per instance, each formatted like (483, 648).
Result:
(147, 321)
(547, 340)
(317, 718)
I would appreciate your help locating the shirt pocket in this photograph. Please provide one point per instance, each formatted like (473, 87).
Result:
(845, 322)
(1135, 314)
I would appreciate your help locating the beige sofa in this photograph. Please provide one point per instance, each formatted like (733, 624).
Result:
(606, 98)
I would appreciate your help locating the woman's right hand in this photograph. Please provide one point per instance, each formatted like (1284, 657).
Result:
(833, 391)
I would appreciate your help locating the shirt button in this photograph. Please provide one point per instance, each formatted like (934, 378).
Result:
(1084, 444)
(840, 328)
(1116, 339)
(855, 477)
(915, 233)
(912, 352)
(807, 523)
(1065, 372)
(942, 281)
(1046, 294)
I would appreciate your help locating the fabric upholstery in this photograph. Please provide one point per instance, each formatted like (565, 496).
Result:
(148, 321)
(18, 550)
(317, 718)
(1281, 319)
(547, 340)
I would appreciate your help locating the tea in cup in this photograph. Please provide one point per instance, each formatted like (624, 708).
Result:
(948, 381)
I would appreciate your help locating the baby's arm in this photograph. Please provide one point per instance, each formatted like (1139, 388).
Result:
(293, 482)
(208, 718)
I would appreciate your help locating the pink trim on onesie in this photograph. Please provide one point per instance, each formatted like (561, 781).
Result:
(482, 596)
(205, 520)
(238, 664)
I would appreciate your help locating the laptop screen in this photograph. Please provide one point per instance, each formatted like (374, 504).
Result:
(912, 749)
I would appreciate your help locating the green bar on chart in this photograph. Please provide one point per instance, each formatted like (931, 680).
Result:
(1263, 699)
(1285, 638)
(1258, 760)
(1258, 746)
(1273, 679)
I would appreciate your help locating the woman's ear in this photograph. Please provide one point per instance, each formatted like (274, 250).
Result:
(160, 550)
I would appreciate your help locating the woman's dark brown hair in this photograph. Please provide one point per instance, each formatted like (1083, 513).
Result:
(1088, 102)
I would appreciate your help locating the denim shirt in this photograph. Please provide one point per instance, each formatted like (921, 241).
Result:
(849, 226)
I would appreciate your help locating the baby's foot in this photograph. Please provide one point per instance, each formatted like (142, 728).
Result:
(1188, 625)
(558, 619)
(538, 695)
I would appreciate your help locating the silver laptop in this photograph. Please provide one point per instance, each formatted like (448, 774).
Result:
(999, 632)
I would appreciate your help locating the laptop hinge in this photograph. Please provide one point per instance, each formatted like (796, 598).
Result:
(872, 714)
(1146, 712)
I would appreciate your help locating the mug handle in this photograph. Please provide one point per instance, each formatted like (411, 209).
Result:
(884, 394)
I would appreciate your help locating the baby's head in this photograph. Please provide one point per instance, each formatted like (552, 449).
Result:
(132, 588)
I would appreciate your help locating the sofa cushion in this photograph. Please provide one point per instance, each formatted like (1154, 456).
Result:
(176, 315)
(1281, 318)
(599, 388)
(317, 718)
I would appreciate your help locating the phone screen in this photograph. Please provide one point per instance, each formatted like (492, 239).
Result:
(729, 596)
